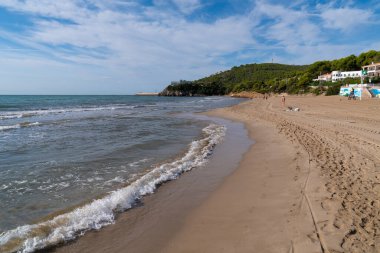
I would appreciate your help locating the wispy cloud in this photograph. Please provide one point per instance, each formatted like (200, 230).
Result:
(303, 33)
(346, 19)
(69, 9)
(288, 26)
(135, 39)
(187, 6)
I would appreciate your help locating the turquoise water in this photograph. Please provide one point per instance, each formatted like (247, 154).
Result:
(57, 152)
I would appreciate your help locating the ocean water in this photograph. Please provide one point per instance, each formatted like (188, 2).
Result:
(68, 164)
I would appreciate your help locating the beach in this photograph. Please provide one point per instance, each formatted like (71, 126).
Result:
(189, 126)
(310, 183)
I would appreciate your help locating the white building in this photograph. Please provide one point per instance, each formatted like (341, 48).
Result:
(339, 75)
(372, 69)
(324, 78)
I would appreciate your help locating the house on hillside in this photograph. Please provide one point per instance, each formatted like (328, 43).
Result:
(324, 78)
(372, 69)
(339, 75)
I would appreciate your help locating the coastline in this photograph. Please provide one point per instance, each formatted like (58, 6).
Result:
(256, 208)
(140, 229)
(309, 184)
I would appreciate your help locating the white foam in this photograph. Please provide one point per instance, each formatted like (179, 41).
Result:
(4, 186)
(34, 124)
(31, 113)
(4, 128)
(67, 176)
(21, 181)
(16, 126)
(117, 179)
(10, 116)
(139, 162)
(63, 185)
(101, 212)
(92, 179)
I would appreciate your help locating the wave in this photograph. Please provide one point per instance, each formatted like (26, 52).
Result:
(26, 114)
(16, 126)
(101, 212)
(138, 163)
(11, 116)
(4, 128)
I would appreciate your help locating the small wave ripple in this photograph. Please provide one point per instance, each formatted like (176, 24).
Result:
(16, 126)
(32, 113)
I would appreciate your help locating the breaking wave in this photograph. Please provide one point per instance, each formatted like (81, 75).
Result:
(101, 212)
(26, 114)
(24, 124)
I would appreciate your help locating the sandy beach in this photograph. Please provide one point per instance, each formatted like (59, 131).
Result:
(310, 183)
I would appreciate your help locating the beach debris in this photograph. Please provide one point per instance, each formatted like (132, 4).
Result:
(291, 109)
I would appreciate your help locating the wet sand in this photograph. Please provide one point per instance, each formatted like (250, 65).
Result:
(310, 183)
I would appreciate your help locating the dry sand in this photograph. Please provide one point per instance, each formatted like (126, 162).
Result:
(309, 184)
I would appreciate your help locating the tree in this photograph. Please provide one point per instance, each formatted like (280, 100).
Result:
(269, 77)
(319, 67)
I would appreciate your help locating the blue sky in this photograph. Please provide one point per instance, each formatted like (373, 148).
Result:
(125, 46)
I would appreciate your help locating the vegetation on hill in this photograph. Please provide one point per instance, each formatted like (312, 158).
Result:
(271, 77)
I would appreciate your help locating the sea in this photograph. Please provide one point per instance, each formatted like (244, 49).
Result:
(69, 164)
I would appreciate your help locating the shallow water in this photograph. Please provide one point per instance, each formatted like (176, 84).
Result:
(60, 151)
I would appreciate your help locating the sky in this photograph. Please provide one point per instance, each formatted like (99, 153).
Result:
(126, 46)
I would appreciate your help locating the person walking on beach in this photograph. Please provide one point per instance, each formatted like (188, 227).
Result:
(352, 94)
(283, 101)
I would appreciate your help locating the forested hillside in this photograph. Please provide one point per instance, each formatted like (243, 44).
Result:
(269, 77)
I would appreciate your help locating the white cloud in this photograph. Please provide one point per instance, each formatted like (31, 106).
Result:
(187, 6)
(287, 26)
(67, 9)
(152, 37)
(146, 45)
(149, 45)
(345, 19)
(130, 39)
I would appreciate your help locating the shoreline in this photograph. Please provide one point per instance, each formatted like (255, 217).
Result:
(255, 208)
(169, 205)
(311, 183)
(69, 223)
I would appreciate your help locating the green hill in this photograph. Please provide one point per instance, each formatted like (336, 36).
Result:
(268, 77)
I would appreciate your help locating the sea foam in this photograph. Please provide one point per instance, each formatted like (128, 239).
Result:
(4, 128)
(16, 126)
(32, 113)
(101, 212)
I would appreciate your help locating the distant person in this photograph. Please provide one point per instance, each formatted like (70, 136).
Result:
(352, 94)
(283, 101)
